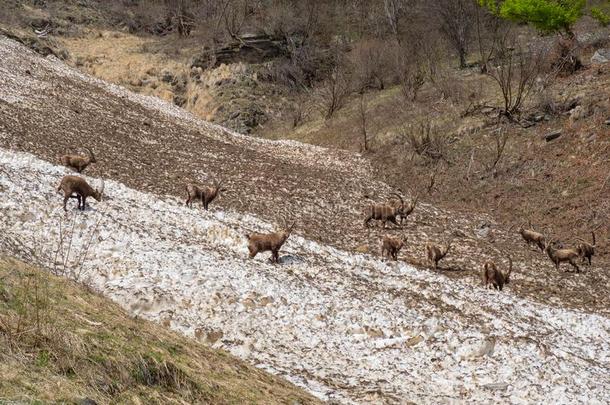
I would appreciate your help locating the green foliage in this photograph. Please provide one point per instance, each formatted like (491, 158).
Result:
(602, 17)
(548, 16)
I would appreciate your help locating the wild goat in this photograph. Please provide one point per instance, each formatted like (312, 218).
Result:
(406, 211)
(495, 277)
(532, 237)
(387, 212)
(390, 246)
(558, 256)
(205, 194)
(262, 242)
(77, 187)
(587, 250)
(78, 162)
(436, 253)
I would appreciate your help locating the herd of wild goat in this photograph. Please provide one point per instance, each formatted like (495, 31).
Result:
(78, 188)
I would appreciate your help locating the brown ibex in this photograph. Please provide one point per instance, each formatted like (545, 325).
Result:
(262, 242)
(78, 162)
(390, 246)
(587, 250)
(205, 194)
(558, 256)
(77, 187)
(436, 253)
(406, 211)
(495, 277)
(532, 237)
(385, 212)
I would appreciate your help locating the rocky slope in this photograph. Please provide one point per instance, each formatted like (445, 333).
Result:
(331, 317)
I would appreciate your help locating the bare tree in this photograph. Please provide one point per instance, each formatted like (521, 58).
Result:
(299, 109)
(362, 110)
(180, 16)
(498, 147)
(490, 31)
(456, 19)
(425, 141)
(515, 71)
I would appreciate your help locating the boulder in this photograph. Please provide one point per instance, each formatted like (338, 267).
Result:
(601, 56)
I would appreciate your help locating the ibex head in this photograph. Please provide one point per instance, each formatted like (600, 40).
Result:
(99, 192)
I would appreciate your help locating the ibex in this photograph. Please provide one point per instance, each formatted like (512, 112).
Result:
(532, 237)
(78, 162)
(436, 253)
(390, 246)
(205, 194)
(587, 250)
(385, 212)
(262, 242)
(558, 256)
(406, 211)
(495, 277)
(77, 187)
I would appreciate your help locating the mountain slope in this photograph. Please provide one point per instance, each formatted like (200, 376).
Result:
(346, 326)
(343, 324)
(85, 347)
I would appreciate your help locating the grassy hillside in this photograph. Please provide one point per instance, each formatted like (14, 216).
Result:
(60, 342)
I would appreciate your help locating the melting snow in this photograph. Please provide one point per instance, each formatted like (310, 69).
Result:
(347, 327)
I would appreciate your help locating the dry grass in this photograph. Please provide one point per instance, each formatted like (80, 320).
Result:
(59, 342)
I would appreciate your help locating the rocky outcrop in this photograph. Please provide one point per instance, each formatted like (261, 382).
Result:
(601, 56)
(248, 48)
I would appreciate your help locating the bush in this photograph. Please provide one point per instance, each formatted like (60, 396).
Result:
(547, 16)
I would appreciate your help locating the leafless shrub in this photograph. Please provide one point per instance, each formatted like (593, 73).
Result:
(432, 179)
(362, 114)
(425, 141)
(73, 246)
(33, 318)
(515, 71)
(563, 58)
(547, 104)
(412, 79)
(456, 20)
(451, 88)
(500, 138)
(299, 109)
(334, 91)
(372, 64)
